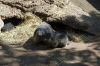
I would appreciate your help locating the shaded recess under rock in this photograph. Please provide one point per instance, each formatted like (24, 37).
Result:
(11, 23)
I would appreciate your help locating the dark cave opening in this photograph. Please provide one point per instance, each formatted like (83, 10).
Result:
(14, 20)
(61, 27)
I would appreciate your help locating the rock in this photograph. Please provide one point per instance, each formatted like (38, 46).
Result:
(1, 24)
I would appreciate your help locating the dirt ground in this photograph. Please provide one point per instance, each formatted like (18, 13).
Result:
(74, 54)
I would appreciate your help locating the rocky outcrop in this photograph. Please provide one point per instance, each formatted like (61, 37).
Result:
(51, 11)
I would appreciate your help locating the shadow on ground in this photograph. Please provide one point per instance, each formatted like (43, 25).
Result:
(30, 45)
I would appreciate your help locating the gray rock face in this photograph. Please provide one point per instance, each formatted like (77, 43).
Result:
(51, 11)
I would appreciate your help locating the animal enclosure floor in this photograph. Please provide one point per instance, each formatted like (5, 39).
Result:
(74, 54)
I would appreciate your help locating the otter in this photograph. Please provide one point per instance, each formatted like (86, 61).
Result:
(45, 34)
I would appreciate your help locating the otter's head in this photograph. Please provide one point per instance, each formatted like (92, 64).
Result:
(42, 34)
